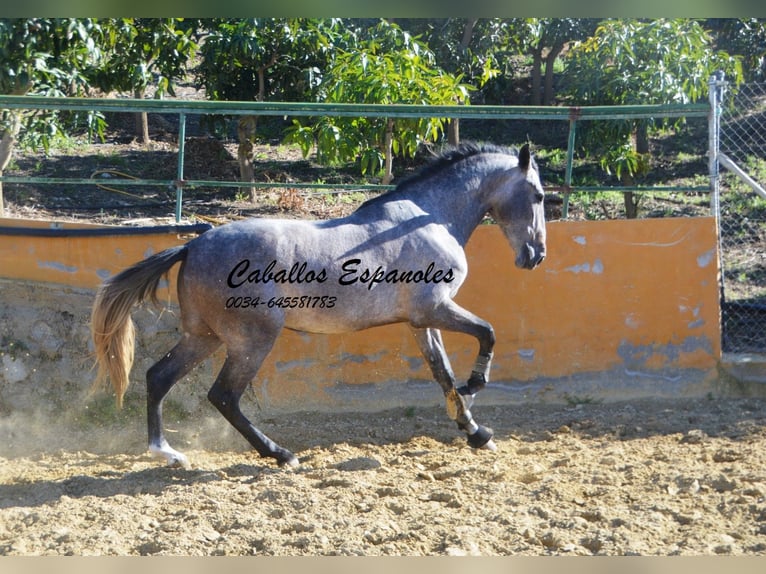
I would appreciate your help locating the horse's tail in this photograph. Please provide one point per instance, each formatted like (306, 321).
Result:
(111, 325)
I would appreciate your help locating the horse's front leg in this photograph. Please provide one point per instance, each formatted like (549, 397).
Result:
(452, 317)
(432, 347)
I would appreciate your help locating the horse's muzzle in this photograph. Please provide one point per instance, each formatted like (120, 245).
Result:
(531, 256)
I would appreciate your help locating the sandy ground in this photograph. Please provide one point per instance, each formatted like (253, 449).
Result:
(646, 478)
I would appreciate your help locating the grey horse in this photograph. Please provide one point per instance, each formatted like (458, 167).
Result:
(398, 258)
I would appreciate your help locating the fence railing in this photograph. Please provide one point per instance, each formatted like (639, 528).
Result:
(573, 116)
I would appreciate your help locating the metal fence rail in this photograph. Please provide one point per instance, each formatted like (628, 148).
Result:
(183, 108)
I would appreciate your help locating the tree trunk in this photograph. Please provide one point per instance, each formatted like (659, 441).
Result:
(550, 60)
(142, 119)
(470, 24)
(537, 65)
(7, 143)
(388, 174)
(246, 152)
(642, 137)
(453, 127)
(453, 131)
(641, 145)
(631, 201)
(246, 135)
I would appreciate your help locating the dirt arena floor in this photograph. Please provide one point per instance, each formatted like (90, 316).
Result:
(640, 478)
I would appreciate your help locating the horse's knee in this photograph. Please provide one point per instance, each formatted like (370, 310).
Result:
(225, 401)
(216, 396)
(489, 338)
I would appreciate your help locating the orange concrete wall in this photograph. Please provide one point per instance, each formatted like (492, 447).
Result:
(617, 308)
(74, 261)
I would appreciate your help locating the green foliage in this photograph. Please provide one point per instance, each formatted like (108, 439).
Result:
(624, 159)
(389, 67)
(646, 62)
(479, 49)
(266, 58)
(633, 62)
(745, 37)
(544, 39)
(145, 51)
(51, 57)
(48, 56)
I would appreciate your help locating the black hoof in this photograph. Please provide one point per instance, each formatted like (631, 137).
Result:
(289, 463)
(288, 460)
(480, 437)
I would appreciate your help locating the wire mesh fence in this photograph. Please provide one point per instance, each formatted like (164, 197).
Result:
(743, 220)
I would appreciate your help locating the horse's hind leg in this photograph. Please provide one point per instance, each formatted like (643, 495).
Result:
(432, 348)
(238, 372)
(161, 377)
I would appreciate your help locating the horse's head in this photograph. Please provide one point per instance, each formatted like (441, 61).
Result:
(517, 206)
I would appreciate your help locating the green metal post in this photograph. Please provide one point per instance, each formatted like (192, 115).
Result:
(180, 174)
(568, 173)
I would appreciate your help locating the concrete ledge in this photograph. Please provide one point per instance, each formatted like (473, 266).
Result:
(745, 367)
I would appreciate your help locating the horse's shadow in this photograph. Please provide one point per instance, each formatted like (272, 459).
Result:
(150, 481)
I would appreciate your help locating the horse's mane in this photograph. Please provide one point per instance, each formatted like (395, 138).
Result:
(452, 156)
(441, 161)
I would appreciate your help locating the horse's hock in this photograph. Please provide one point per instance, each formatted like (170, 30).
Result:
(619, 309)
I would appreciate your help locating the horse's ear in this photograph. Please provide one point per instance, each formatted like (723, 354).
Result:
(524, 157)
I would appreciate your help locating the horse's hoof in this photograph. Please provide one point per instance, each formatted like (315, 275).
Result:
(291, 462)
(171, 456)
(179, 460)
(481, 437)
(490, 446)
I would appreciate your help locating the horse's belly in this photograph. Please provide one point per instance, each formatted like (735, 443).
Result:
(328, 322)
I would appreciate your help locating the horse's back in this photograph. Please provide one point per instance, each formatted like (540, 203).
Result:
(317, 276)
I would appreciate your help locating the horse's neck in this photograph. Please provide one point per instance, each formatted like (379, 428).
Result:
(459, 208)
(458, 201)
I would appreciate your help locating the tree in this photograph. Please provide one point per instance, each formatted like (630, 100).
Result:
(143, 52)
(257, 59)
(44, 56)
(641, 62)
(475, 48)
(544, 39)
(389, 67)
(745, 37)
